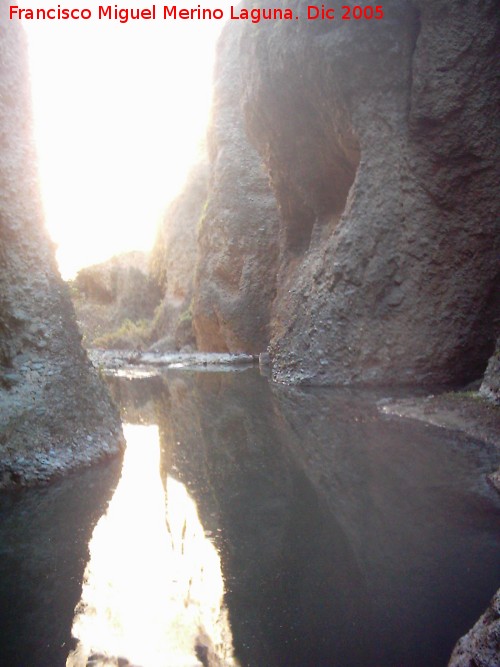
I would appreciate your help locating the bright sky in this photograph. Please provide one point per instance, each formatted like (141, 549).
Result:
(120, 113)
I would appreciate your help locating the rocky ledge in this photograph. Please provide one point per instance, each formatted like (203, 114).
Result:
(481, 646)
(111, 361)
(467, 412)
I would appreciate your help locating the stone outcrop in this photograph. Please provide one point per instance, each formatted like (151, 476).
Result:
(55, 414)
(235, 279)
(480, 647)
(381, 142)
(173, 261)
(490, 387)
(112, 293)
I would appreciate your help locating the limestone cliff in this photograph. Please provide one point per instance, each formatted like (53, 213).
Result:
(235, 279)
(381, 141)
(173, 261)
(54, 412)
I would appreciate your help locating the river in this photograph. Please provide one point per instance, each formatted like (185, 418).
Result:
(253, 525)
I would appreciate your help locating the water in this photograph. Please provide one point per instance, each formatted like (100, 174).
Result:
(253, 525)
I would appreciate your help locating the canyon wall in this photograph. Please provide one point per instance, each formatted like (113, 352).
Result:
(366, 249)
(381, 143)
(55, 414)
(235, 280)
(173, 261)
(114, 298)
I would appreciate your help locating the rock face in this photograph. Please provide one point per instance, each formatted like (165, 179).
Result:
(173, 261)
(55, 413)
(108, 294)
(490, 387)
(235, 279)
(381, 141)
(481, 646)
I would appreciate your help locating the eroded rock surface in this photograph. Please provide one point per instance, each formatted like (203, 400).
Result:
(173, 263)
(235, 278)
(490, 387)
(112, 293)
(480, 647)
(381, 141)
(55, 414)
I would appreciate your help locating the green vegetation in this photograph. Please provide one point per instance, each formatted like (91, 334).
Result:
(186, 316)
(471, 395)
(465, 393)
(129, 335)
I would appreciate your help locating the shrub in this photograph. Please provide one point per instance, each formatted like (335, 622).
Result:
(130, 335)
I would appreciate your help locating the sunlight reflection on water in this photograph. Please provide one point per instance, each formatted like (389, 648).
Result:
(153, 589)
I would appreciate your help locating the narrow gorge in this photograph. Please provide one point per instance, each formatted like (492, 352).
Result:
(360, 242)
(341, 231)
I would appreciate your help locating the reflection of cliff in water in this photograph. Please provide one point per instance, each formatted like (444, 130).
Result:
(137, 398)
(44, 535)
(346, 538)
(282, 552)
(415, 508)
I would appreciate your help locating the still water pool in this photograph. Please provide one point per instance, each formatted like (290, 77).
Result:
(252, 525)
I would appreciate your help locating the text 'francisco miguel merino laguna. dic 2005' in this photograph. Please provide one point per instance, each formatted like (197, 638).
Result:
(173, 12)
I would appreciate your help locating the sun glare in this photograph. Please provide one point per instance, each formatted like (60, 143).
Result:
(120, 113)
(153, 589)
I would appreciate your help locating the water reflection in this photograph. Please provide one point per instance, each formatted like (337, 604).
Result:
(347, 539)
(153, 590)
